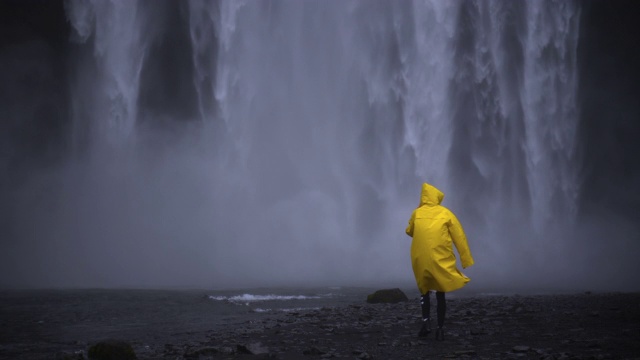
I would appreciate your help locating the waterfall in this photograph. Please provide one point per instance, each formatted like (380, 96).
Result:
(514, 113)
(550, 109)
(318, 121)
(109, 98)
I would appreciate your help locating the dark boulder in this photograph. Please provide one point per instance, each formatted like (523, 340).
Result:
(198, 353)
(252, 349)
(387, 296)
(111, 350)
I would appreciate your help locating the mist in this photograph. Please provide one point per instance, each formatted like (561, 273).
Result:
(283, 143)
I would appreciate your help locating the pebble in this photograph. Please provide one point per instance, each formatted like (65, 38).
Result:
(520, 348)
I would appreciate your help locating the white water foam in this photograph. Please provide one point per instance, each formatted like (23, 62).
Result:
(285, 310)
(249, 298)
(253, 298)
(284, 301)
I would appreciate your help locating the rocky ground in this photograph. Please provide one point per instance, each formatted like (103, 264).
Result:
(584, 326)
(578, 326)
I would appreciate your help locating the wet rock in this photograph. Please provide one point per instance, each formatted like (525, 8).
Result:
(464, 352)
(387, 296)
(79, 355)
(252, 349)
(227, 350)
(314, 351)
(111, 350)
(197, 354)
(520, 349)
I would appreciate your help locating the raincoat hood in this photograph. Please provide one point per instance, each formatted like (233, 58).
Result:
(430, 195)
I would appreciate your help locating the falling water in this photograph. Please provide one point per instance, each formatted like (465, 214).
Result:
(314, 125)
(119, 45)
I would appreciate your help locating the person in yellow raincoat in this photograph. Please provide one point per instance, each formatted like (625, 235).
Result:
(435, 229)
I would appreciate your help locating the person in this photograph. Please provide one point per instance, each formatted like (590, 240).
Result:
(434, 228)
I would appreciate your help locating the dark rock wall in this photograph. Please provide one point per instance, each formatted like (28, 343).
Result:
(609, 55)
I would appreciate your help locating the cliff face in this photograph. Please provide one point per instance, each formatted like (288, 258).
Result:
(34, 86)
(610, 111)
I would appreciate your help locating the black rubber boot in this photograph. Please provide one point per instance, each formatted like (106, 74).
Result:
(425, 329)
(439, 334)
(426, 319)
(442, 308)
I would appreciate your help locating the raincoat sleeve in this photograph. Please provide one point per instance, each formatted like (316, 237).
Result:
(460, 241)
(409, 229)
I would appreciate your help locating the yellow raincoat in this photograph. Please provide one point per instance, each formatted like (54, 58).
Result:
(434, 228)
